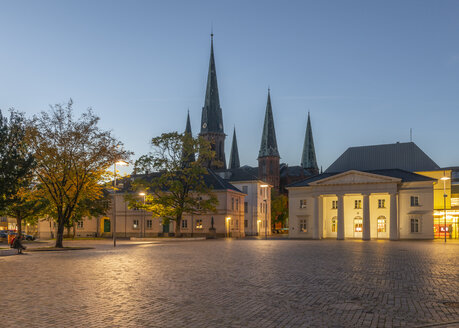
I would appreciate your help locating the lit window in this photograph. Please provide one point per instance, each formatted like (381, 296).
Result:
(333, 224)
(303, 225)
(80, 224)
(358, 204)
(414, 201)
(303, 203)
(382, 224)
(135, 224)
(381, 203)
(184, 224)
(358, 224)
(334, 204)
(246, 207)
(199, 224)
(149, 224)
(415, 225)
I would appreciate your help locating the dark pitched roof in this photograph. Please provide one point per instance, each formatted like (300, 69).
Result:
(295, 171)
(268, 145)
(308, 158)
(244, 173)
(405, 176)
(405, 156)
(234, 155)
(212, 118)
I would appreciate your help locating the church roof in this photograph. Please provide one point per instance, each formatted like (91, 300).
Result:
(405, 156)
(234, 156)
(295, 171)
(308, 158)
(405, 176)
(268, 145)
(212, 118)
(243, 173)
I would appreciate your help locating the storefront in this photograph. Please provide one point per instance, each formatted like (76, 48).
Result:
(451, 227)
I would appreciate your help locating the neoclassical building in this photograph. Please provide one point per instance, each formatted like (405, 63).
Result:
(370, 192)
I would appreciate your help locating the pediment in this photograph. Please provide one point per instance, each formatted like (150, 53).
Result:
(354, 177)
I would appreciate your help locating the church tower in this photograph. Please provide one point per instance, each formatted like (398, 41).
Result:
(268, 157)
(234, 156)
(212, 118)
(308, 159)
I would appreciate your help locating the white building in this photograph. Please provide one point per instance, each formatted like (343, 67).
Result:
(369, 192)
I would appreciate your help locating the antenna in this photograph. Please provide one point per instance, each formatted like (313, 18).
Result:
(411, 135)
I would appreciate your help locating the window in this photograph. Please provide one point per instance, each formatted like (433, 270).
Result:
(334, 204)
(261, 207)
(414, 201)
(381, 203)
(382, 224)
(261, 191)
(184, 224)
(358, 224)
(232, 203)
(246, 223)
(237, 223)
(80, 224)
(303, 225)
(199, 224)
(237, 204)
(149, 224)
(135, 224)
(358, 204)
(303, 203)
(415, 225)
(333, 224)
(245, 189)
(246, 207)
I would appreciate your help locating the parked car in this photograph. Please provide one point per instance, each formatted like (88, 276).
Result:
(3, 234)
(24, 236)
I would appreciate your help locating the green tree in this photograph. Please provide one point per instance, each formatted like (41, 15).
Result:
(279, 208)
(72, 156)
(178, 185)
(16, 163)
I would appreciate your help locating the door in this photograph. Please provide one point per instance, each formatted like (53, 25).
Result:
(382, 227)
(358, 227)
(106, 225)
(166, 228)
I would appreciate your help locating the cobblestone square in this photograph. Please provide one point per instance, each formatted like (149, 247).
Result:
(234, 283)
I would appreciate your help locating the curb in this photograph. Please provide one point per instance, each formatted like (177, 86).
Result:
(8, 252)
(167, 239)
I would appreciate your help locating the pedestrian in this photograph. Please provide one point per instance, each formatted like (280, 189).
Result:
(18, 245)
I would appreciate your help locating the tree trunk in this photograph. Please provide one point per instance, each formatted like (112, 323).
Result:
(19, 225)
(60, 233)
(68, 231)
(178, 223)
(73, 235)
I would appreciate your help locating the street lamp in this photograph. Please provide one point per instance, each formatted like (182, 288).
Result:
(444, 179)
(266, 210)
(143, 214)
(120, 163)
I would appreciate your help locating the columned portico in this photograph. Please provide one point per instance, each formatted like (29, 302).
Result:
(393, 217)
(366, 235)
(340, 230)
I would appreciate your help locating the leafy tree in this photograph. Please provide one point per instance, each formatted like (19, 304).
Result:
(279, 208)
(143, 165)
(178, 184)
(72, 159)
(16, 162)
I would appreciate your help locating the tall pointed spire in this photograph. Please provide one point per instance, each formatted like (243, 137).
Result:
(308, 159)
(187, 158)
(188, 125)
(234, 156)
(268, 145)
(212, 120)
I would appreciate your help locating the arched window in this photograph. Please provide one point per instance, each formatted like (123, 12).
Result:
(358, 224)
(382, 224)
(333, 224)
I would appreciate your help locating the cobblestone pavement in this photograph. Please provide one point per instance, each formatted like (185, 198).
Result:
(234, 283)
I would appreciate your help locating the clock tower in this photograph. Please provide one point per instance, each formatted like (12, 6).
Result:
(212, 118)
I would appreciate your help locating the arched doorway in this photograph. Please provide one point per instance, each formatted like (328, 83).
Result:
(382, 227)
(358, 227)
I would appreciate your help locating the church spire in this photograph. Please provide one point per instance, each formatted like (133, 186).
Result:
(188, 154)
(234, 156)
(188, 125)
(268, 145)
(308, 159)
(212, 120)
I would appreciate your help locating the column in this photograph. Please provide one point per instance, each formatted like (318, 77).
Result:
(366, 234)
(315, 228)
(340, 232)
(393, 217)
(321, 217)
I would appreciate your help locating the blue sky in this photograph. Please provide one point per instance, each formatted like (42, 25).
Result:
(368, 71)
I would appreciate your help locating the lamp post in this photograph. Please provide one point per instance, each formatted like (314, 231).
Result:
(143, 215)
(121, 163)
(264, 186)
(444, 198)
